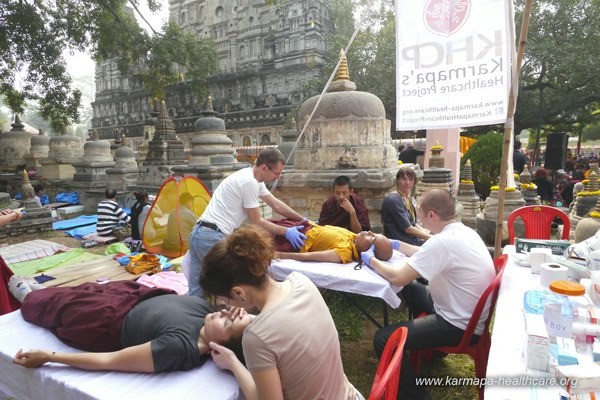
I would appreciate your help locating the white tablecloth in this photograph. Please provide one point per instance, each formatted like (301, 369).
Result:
(507, 357)
(57, 381)
(343, 277)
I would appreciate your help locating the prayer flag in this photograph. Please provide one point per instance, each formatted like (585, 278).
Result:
(453, 63)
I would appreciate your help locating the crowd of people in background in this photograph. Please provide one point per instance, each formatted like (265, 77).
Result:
(556, 187)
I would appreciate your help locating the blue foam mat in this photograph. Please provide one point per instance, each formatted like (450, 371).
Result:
(80, 232)
(82, 220)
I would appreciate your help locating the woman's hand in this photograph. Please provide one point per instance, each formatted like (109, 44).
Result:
(222, 356)
(32, 358)
(234, 312)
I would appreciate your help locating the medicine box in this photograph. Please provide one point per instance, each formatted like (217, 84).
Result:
(536, 354)
(525, 245)
(582, 378)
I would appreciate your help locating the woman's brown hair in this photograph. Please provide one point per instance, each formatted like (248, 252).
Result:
(242, 258)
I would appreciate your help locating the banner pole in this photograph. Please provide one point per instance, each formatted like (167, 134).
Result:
(509, 125)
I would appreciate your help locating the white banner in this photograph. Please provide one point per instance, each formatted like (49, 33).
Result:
(453, 63)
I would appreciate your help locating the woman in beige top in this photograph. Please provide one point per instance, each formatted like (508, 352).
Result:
(291, 348)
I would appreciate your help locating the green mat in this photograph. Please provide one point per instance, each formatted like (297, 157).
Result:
(57, 260)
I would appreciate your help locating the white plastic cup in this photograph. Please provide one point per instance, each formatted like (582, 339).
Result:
(538, 256)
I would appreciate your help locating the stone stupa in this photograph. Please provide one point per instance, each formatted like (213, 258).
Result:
(585, 200)
(124, 172)
(39, 150)
(213, 156)
(36, 219)
(347, 135)
(165, 151)
(14, 146)
(589, 224)
(486, 220)
(528, 189)
(436, 176)
(90, 171)
(467, 197)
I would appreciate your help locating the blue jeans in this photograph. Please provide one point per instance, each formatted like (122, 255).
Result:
(202, 239)
(423, 333)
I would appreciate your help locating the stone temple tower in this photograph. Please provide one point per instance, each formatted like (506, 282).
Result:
(348, 135)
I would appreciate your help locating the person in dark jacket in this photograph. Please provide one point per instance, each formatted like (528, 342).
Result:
(544, 186)
(344, 208)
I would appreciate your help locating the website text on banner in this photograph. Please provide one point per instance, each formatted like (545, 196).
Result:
(453, 63)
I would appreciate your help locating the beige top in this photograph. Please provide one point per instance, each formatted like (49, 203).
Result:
(298, 337)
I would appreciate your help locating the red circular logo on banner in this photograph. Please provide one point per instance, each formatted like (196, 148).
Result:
(445, 17)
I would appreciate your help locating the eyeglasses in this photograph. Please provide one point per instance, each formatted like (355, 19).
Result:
(273, 171)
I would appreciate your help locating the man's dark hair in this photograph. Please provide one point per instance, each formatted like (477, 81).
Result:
(38, 188)
(110, 193)
(342, 180)
(270, 157)
(517, 144)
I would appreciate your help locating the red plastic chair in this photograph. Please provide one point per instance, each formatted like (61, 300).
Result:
(538, 222)
(387, 377)
(479, 351)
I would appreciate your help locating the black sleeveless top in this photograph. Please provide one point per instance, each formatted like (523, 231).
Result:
(136, 210)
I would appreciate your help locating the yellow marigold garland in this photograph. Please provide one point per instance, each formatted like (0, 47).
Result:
(467, 181)
(528, 186)
(508, 189)
(586, 193)
(594, 214)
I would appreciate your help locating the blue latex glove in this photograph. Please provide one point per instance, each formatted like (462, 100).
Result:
(366, 256)
(395, 244)
(295, 237)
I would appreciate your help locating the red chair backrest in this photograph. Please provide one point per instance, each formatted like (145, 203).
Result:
(537, 221)
(490, 292)
(387, 377)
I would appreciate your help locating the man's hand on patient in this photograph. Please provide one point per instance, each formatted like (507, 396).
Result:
(295, 237)
(366, 256)
(395, 244)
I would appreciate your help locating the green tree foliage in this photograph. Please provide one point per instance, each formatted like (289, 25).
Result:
(560, 57)
(371, 57)
(561, 63)
(485, 156)
(34, 35)
(591, 132)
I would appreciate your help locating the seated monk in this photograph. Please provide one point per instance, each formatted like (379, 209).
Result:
(330, 243)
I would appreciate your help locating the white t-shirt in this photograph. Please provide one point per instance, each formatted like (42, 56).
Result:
(459, 268)
(238, 191)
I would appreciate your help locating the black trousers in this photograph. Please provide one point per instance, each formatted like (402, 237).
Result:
(423, 333)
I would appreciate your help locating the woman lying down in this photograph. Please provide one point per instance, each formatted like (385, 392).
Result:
(126, 326)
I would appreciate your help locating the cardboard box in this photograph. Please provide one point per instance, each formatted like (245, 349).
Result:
(536, 348)
(558, 246)
(582, 378)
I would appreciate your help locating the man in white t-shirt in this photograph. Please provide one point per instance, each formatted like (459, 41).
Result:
(235, 199)
(459, 268)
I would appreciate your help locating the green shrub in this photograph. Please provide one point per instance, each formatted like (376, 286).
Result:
(485, 156)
